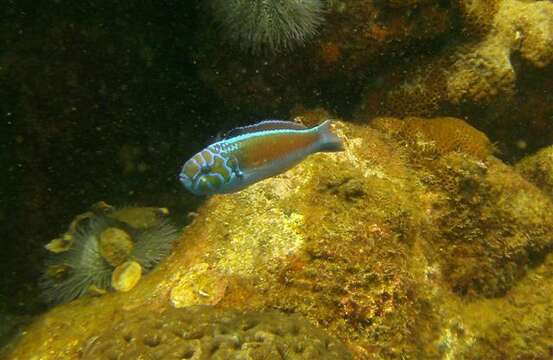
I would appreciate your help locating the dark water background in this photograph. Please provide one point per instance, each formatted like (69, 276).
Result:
(100, 100)
(103, 100)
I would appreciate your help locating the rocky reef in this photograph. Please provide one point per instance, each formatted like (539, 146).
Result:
(414, 242)
(429, 237)
(490, 73)
(489, 62)
(355, 35)
(538, 169)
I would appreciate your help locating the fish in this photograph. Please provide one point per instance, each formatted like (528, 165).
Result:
(253, 153)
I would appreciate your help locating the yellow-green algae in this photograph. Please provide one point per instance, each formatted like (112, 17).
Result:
(400, 248)
(200, 285)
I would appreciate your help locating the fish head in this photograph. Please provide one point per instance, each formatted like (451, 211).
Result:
(205, 173)
(187, 180)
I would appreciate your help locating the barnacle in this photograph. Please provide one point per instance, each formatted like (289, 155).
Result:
(126, 276)
(115, 245)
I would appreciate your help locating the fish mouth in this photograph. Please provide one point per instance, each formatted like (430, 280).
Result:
(186, 181)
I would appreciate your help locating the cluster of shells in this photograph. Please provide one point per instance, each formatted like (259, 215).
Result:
(116, 244)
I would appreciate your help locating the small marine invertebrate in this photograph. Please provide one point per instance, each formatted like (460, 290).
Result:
(268, 25)
(126, 276)
(64, 242)
(115, 245)
(104, 252)
(72, 273)
(153, 244)
(205, 332)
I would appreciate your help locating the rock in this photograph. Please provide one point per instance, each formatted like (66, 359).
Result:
(485, 72)
(391, 246)
(199, 286)
(478, 15)
(538, 169)
(491, 79)
(354, 35)
(491, 221)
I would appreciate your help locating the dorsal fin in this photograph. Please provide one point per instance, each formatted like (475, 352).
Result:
(264, 126)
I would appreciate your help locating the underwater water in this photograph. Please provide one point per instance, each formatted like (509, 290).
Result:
(416, 224)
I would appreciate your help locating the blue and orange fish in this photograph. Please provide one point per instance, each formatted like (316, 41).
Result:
(252, 153)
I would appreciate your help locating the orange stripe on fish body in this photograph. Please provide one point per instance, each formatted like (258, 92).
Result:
(262, 150)
(253, 153)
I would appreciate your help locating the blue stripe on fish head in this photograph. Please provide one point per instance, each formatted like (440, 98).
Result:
(190, 170)
(207, 171)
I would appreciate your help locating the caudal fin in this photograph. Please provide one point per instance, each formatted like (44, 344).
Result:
(328, 142)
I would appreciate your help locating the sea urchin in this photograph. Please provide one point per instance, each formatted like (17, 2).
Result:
(268, 25)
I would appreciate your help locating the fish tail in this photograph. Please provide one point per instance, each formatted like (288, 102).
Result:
(328, 141)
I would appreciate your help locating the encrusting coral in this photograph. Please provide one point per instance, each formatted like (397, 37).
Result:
(492, 222)
(479, 73)
(204, 332)
(538, 169)
(478, 15)
(392, 246)
(485, 71)
(438, 136)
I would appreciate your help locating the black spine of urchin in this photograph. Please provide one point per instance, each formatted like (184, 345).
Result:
(268, 26)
